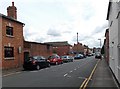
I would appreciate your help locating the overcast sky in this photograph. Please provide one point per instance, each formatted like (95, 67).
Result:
(60, 20)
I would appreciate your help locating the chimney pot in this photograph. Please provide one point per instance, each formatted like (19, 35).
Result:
(12, 3)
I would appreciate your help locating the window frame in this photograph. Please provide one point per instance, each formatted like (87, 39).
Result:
(8, 55)
(9, 31)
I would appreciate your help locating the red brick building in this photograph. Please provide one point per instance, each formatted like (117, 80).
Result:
(61, 48)
(12, 39)
(78, 48)
(106, 45)
(34, 49)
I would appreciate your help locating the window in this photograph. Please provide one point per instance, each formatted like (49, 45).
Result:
(9, 31)
(8, 52)
(111, 23)
(118, 15)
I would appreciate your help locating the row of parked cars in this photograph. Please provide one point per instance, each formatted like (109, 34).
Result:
(81, 56)
(38, 62)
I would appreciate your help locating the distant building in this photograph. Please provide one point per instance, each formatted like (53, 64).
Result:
(11, 39)
(95, 50)
(78, 48)
(113, 16)
(83, 49)
(61, 48)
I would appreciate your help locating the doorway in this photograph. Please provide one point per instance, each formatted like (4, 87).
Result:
(26, 56)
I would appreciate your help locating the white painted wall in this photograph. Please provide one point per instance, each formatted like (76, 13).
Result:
(119, 42)
(114, 39)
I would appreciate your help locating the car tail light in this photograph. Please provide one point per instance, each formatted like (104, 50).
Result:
(34, 61)
(48, 60)
(54, 59)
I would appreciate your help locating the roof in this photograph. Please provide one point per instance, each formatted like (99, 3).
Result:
(108, 13)
(62, 43)
(36, 43)
(10, 18)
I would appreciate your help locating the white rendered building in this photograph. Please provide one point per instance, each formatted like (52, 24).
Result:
(113, 16)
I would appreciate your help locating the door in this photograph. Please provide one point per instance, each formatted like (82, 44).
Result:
(26, 56)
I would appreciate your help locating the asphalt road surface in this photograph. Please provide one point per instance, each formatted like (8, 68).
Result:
(70, 74)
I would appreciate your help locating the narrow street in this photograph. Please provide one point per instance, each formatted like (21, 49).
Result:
(70, 74)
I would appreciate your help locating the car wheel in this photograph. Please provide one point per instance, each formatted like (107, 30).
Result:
(38, 67)
(49, 65)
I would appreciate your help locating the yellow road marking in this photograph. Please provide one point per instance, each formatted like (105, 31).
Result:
(86, 81)
(83, 83)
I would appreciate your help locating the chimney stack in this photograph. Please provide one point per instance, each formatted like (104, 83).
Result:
(12, 11)
(12, 3)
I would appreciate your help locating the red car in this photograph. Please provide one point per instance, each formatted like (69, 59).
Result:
(55, 59)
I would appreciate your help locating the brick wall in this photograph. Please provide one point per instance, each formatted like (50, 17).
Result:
(0, 42)
(35, 49)
(107, 46)
(61, 50)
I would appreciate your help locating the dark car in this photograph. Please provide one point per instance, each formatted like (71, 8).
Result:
(67, 58)
(78, 56)
(36, 62)
(55, 59)
(98, 55)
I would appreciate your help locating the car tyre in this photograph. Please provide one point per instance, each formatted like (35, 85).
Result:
(38, 67)
(49, 65)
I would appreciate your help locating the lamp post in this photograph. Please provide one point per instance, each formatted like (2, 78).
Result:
(100, 42)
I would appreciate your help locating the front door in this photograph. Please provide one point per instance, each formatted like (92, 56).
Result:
(26, 56)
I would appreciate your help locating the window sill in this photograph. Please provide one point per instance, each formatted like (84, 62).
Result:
(10, 36)
(9, 58)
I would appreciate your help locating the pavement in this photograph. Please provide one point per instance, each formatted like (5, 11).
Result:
(103, 77)
(6, 72)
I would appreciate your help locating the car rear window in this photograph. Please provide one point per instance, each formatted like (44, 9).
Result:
(35, 57)
(64, 56)
(51, 56)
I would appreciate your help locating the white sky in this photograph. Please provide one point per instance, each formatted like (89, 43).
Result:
(60, 20)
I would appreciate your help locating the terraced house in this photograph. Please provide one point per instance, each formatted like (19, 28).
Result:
(11, 39)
